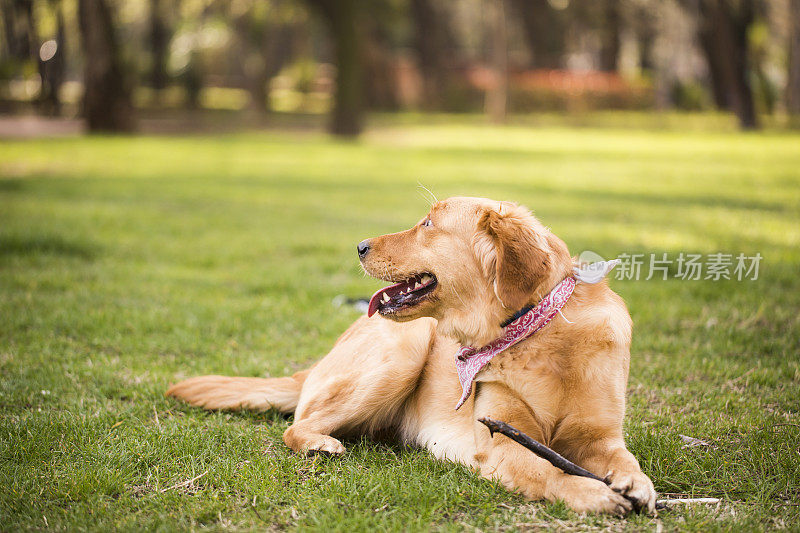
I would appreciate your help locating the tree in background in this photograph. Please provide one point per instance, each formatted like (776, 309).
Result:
(19, 29)
(610, 28)
(160, 35)
(793, 78)
(379, 22)
(341, 17)
(643, 22)
(497, 96)
(723, 36)
(434, 45)
(52, 65)
(545, 28)
(107, 98)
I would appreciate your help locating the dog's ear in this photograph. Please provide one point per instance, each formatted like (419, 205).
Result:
(514, 252)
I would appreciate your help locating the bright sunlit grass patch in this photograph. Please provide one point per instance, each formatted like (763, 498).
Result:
(128, 263)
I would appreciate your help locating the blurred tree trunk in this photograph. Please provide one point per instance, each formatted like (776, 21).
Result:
(793, 82)
(159, 48)
(52, 67)
(643, 20)
(434, 44)
(107, 98)
(192, 80)
(348, 107)
(19, 29)
(380, 80)
(715, 72)
(545, 29)
(258, 87)
(497, 95)
(610, 36)
(723, 27)
(23, 45)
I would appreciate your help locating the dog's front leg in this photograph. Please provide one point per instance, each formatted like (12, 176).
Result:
(522, 471)
(610, 458)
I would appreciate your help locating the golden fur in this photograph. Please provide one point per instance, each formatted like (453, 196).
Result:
(564, 386)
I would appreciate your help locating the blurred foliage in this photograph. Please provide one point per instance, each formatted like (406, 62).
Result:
(281, 53)
(690, 96)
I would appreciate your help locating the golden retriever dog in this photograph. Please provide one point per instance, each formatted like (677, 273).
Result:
(459, 275)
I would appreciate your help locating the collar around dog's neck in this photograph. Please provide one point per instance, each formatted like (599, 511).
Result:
(518, 314)
(590, 273)
(524, 323)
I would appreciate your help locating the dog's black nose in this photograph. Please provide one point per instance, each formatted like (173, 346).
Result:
(363, 248)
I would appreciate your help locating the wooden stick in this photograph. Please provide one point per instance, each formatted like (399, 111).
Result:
(559, 461)
(672, 502)
(185, 483)
(556, 459)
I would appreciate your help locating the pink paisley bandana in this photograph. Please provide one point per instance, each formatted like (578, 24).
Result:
(470, 361)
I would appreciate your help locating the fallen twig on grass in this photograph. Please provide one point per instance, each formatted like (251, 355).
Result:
(185, 483)
(692, 442)
(253, 507)
(559, 461)
(770, 426)
(666, 504)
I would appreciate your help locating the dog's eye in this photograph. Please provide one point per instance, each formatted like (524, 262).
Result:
(427, 222)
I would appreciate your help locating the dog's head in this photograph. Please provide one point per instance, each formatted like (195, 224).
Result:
(470, 263)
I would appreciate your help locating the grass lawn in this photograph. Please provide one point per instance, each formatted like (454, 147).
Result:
(129, 263)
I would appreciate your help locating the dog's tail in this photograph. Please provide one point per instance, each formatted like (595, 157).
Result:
(229, 393)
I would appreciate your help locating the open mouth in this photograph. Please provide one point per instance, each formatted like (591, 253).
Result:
(403, 295)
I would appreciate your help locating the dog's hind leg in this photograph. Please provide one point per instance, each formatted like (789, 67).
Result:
(361, 386)
(256, 394)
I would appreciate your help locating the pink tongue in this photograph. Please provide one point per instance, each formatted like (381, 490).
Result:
(378, 296)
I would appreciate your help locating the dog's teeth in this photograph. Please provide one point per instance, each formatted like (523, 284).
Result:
(385, 297)
(426, 278)
(417, 285)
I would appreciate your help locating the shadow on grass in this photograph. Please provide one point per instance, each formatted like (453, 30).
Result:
(387, 440)
(15, 245)
(580, 197)
(583, 198)
(11, 185)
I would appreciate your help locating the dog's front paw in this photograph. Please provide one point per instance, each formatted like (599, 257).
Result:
(635, 486)
(586, 495)
(325, 445)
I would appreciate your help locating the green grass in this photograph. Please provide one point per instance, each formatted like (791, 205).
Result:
(130, 263)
